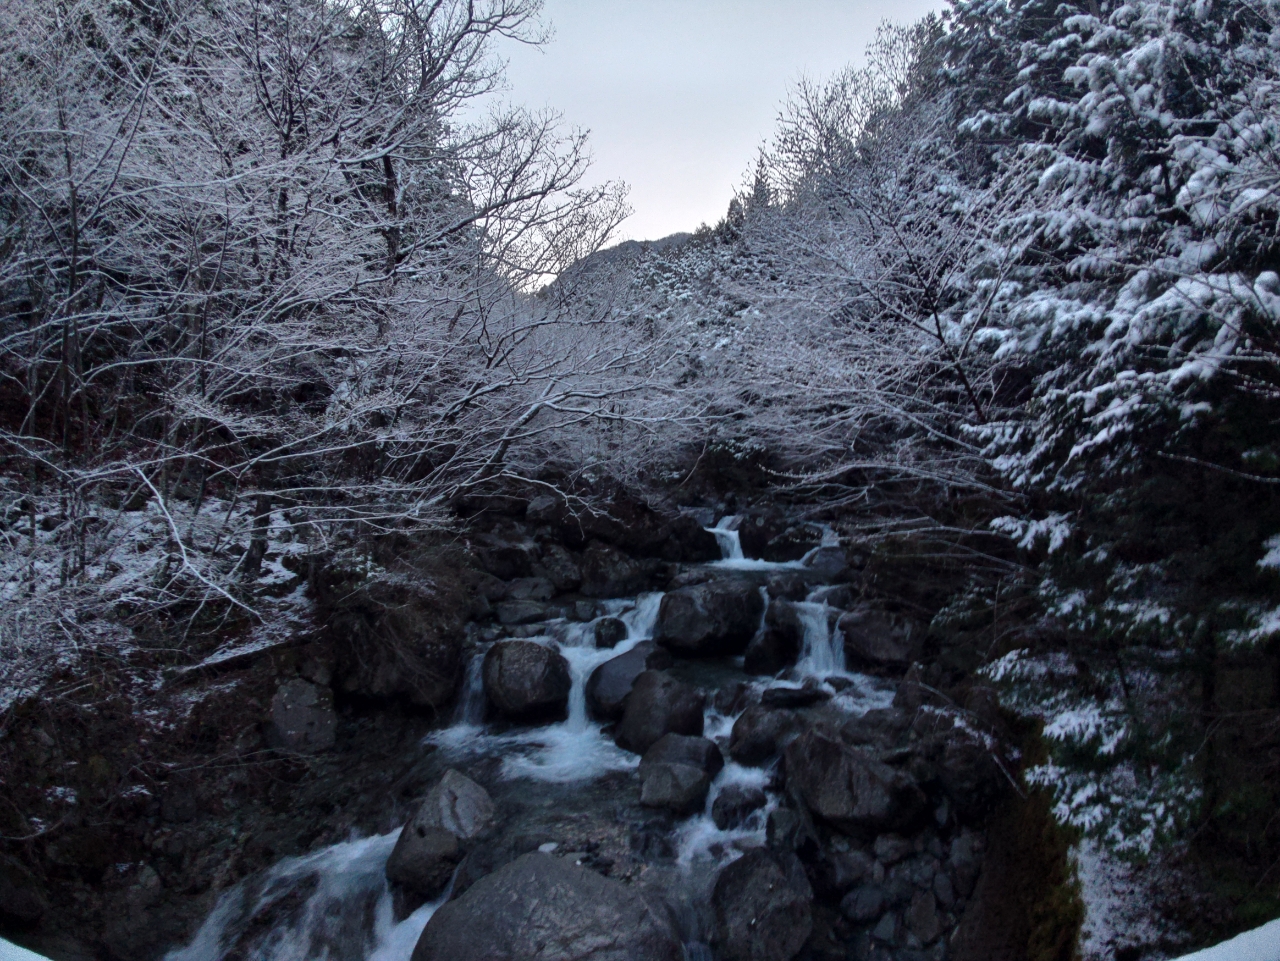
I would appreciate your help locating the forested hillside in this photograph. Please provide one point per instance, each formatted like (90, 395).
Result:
(996, 314)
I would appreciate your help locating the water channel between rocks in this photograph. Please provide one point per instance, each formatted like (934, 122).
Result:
(566, 781)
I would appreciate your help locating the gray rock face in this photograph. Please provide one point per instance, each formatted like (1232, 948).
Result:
(525, 680)
(611, 682)
(863, 904)
(540, 907)
(709, 620)
(829, 563)
(609, 631)
(763, 907)
(758, 734)
(559, 567)
(871, 640)
(455, 813)
(680, 788)
(735, 804)
(697, 752)
(302, 717)
(607, 572)
(922, 917)
(659, 704)
(848, 788)
(522, 611)
(530, 589)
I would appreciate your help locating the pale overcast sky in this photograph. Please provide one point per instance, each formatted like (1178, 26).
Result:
(678, 94)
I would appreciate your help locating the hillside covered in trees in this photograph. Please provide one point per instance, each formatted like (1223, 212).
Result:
(298, 360)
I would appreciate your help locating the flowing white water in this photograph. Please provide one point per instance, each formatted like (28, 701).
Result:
(346, 916)
(575, 749)
(822, 648)
(727, 538)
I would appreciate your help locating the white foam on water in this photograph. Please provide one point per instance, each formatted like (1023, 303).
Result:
(698, 838)
(342, 875)
(822, 648)
(575, 749)
(727, 538)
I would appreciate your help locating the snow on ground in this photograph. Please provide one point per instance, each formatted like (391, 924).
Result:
(1119, 902)
(1260, 944)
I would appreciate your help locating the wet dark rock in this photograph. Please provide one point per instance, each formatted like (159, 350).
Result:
(849, 788)
(863, 904)
(696, 752)
(873, 641)
(525, 680)
(560, 567)
(521, 612)
(22, 903)
(880, 727)
(608, 572)
(392, 640)
(828, 563)
(965, 862)
(539, 906)
(763, 907)
(841, 596)
(775, 537)
(491, 853)
(778, 645)
(844, 869)
(659, 704)
(886, 930)
(709, 620)
(794, 697)
(922, 917)
(735, 804)
(488, 586)
(454, 814)
(970, 776)
(898, 886)
(758, 734)
(609, 631)
(506, 560)
(787, 585)
(944, 890)
(731, 699)
(530, 589)
(911, 695)
(302, 717)
(610, 683)
(680, 788)
(892, 848)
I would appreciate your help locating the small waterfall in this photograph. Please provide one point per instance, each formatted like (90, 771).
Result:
(333, 904)
(822, 649)
(471, 702)
(643, 618)
(728, 539)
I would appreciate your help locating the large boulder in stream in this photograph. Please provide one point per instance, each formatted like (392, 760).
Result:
(848, 788)
(610, 683)
(455, 813)
(710, 620)
(763, 907)
(759, 733)
(526, 680)
(658, 705)
(676, 772)
(541, 907)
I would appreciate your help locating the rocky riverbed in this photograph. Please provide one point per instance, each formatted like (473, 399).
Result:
(639, 741)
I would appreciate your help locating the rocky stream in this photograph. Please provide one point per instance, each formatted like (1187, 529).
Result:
(754, 761)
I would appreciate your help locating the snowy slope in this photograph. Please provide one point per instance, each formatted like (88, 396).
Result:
(1260, 944)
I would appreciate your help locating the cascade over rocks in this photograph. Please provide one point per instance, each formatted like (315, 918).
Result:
(848, 788)
(709, 620)
(734, 804)
(763, 907)
(610, 683)
(525, 680)
(542, 907)
(658, 705)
